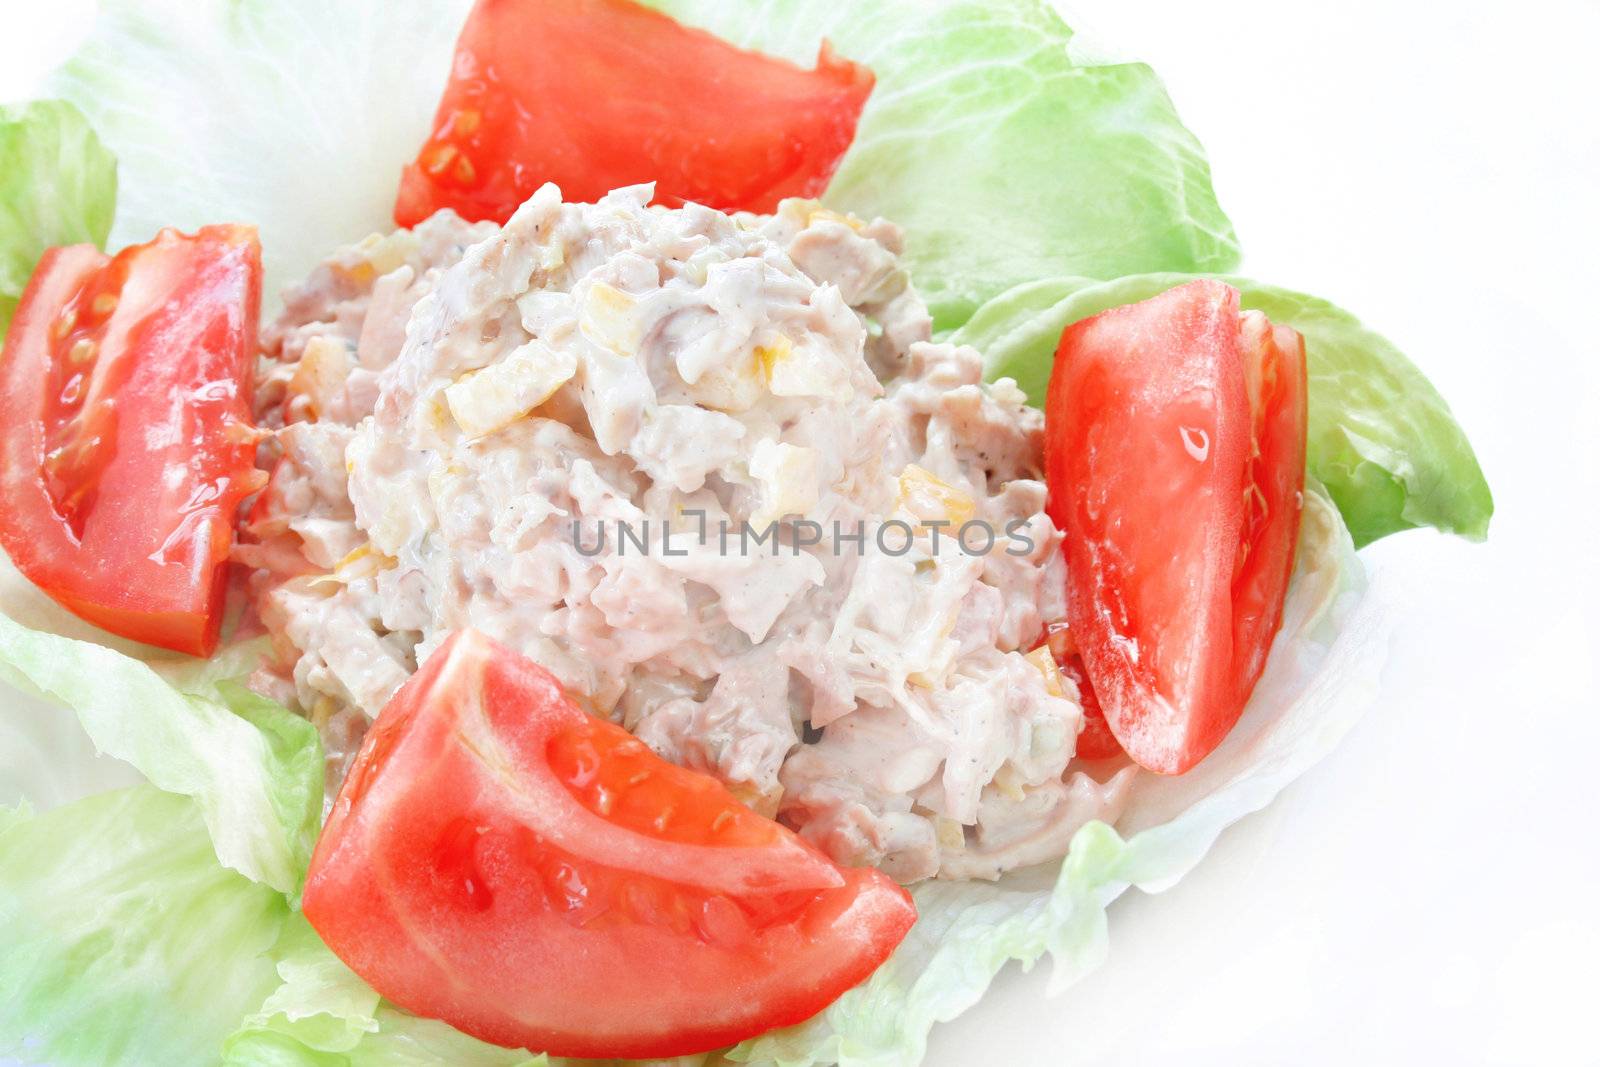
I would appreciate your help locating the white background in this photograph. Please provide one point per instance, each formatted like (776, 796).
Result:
(1429, 894)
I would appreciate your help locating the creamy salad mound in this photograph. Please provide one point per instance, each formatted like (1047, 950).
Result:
(565, 432)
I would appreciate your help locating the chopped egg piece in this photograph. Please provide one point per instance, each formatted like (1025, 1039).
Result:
(319, 376)
(1008, 784)
(735, 388)
(951, 834)
(552, 256)
(932, 499)
(362, 562)
(798, 372)
(823, 214)
(774, 355)
(1045, 664)
(788, 478)
(501, 393)
(381, 254)
(761, 802)
(608, 319)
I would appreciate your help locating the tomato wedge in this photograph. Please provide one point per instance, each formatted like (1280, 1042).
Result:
(126, 441)
(1175, 452)
(540, 879)
(597, 94)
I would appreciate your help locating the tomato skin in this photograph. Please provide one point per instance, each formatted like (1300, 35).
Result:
(597, 94)
(458, 874)
(1276, 382)
(1175, 454)
(126, 437)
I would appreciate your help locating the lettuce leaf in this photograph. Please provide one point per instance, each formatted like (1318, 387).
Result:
(58, 186)
(1007, 152)
(324, 1015)
(294, 115)
(1380, 437)
(321, 1004)
(254, 768)
(397, 1040)
(405, 1040)
(126, 942)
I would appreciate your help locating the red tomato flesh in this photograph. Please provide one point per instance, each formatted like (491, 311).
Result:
(126, 439)
(1095, 740)
(597, 94)
(1175, 453)
(538, 878)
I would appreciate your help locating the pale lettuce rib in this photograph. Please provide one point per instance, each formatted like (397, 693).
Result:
(125, 942)
(254, 768)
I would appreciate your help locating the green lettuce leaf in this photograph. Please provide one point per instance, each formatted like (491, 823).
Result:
(58, 186)
(321, 1004)
(398, 1040)
(254, 767)
(125, 941)
(1380, 437)
(1005, 151)
(324, 1015)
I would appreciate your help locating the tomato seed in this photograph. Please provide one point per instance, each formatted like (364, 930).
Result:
(438, 159)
